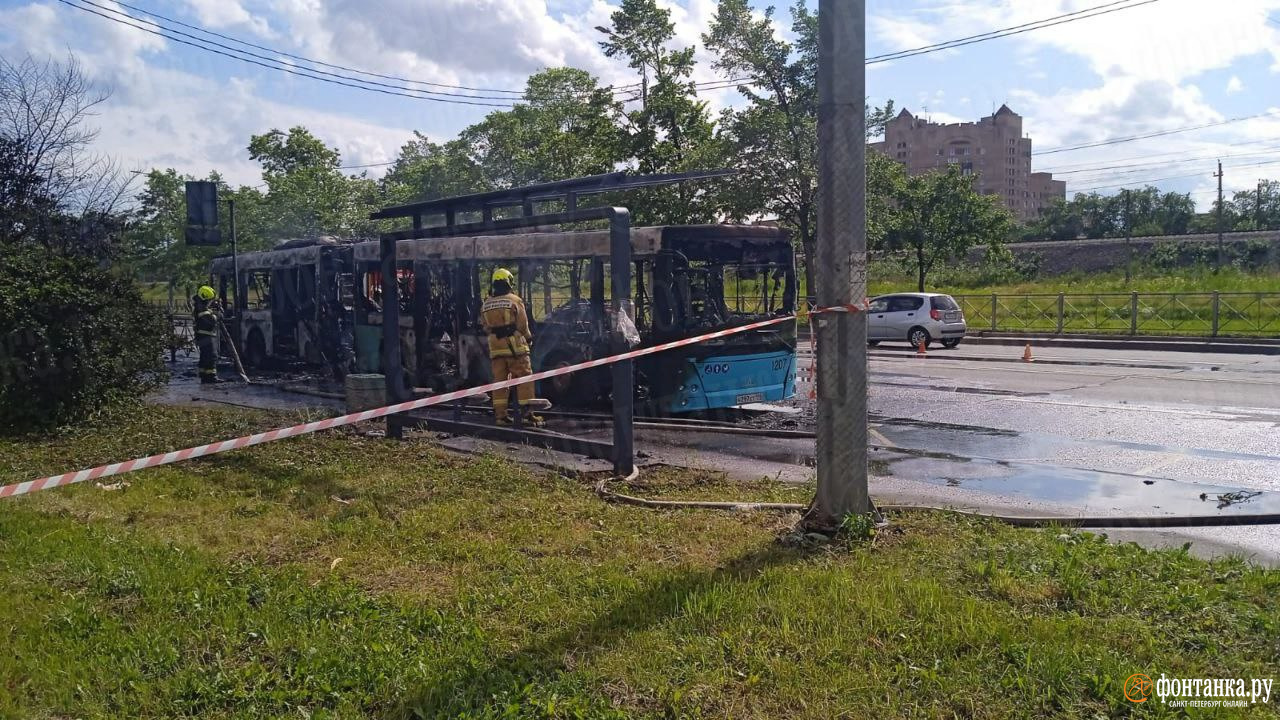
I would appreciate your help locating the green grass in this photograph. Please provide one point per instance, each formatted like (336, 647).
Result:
(1177, 303)
(342, 575)
(1184, 280)
(159, 292)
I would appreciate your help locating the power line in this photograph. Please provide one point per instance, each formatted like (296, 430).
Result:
(291, 71)
(246, 43)
(517, 94)
(368, 165)
(1173, 177)
(1077, 15)
(424, 93)
(1060, 169)
(1160, 133)
(468, 99)
(1013, 30)
(1145, 166)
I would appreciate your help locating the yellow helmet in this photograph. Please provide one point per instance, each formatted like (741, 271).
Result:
(205, 292)
(504, 275)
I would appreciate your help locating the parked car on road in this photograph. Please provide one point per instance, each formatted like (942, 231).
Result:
(915, 318)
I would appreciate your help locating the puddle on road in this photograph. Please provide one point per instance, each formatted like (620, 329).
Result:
(1089, 489)
(967, 439)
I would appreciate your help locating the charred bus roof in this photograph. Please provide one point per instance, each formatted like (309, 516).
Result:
(290, 253)
(727, 243)
(730, 243)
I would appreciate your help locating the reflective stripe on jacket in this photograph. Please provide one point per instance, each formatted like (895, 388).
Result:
(505, 320)
(207, 323)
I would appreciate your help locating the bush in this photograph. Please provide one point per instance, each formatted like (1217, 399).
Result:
(77, 342)
(996, 268)
(1252, 255)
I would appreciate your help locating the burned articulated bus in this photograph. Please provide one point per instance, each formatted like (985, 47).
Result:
(294, 303)
(689, 280)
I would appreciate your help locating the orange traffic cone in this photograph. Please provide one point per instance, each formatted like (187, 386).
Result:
(1026, 354)
(920, 349)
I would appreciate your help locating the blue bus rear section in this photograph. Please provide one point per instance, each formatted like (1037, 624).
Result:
(728, 380)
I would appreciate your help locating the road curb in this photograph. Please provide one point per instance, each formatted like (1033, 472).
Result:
(1041, 341)
(1094, 342)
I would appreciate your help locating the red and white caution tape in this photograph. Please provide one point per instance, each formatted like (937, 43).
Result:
(854, 308)
(119, 468)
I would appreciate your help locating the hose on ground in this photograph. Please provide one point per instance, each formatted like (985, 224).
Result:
(1119, 521)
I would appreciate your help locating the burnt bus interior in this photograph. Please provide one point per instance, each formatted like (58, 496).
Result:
(294, 303)
(687, 280)
(319, 301)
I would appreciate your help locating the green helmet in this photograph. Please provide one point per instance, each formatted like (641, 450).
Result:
(503, 275)
(205, 293)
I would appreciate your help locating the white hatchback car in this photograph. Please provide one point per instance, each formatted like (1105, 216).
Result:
(915, 318)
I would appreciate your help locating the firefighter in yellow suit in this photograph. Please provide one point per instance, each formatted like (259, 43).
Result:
(504, 319)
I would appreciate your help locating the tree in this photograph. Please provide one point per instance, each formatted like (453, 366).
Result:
(51, 173)
(562, 128)
(878, 118)
(1257, 209)
(773, 140)
(1148, 212)
(940, 215)
(307, 193)
(425, 170)
(78, 341)
(1059, 221)
(156, 232)
(670, 131)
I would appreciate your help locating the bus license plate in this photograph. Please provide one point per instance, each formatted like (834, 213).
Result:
(749, 398)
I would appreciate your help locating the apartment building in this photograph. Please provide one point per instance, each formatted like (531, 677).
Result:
(993, 148)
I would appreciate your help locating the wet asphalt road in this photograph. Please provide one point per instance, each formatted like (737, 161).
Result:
(1095, 432)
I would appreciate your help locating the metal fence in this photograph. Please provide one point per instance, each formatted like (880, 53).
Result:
(1215, 314)
(179, 316)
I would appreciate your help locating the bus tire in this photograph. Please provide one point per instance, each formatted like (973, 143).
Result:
(575, 388)
(255, 350)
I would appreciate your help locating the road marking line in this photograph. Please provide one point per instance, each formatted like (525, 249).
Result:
(1131, 408)
(880, 438)
(1177, 375)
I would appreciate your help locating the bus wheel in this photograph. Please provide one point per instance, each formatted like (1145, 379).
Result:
(255, 350)
(564, 389)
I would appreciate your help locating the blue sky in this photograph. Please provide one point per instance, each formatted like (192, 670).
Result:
(1160, 66)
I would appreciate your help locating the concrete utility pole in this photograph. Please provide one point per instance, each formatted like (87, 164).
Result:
(1128, 237)
(1217, 265)
(1257, 207)
(842, 265)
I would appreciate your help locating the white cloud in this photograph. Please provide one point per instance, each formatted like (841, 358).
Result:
(1171, 40)
(483, 43)
(1140, 71)
(220, 14)
(159, 116)
(489, 43)
(1234, 85)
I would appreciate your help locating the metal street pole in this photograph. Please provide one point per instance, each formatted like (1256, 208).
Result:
(842, 265)
(235, 258)
(1217, 265)
(1257, 207)
(1128, 237)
